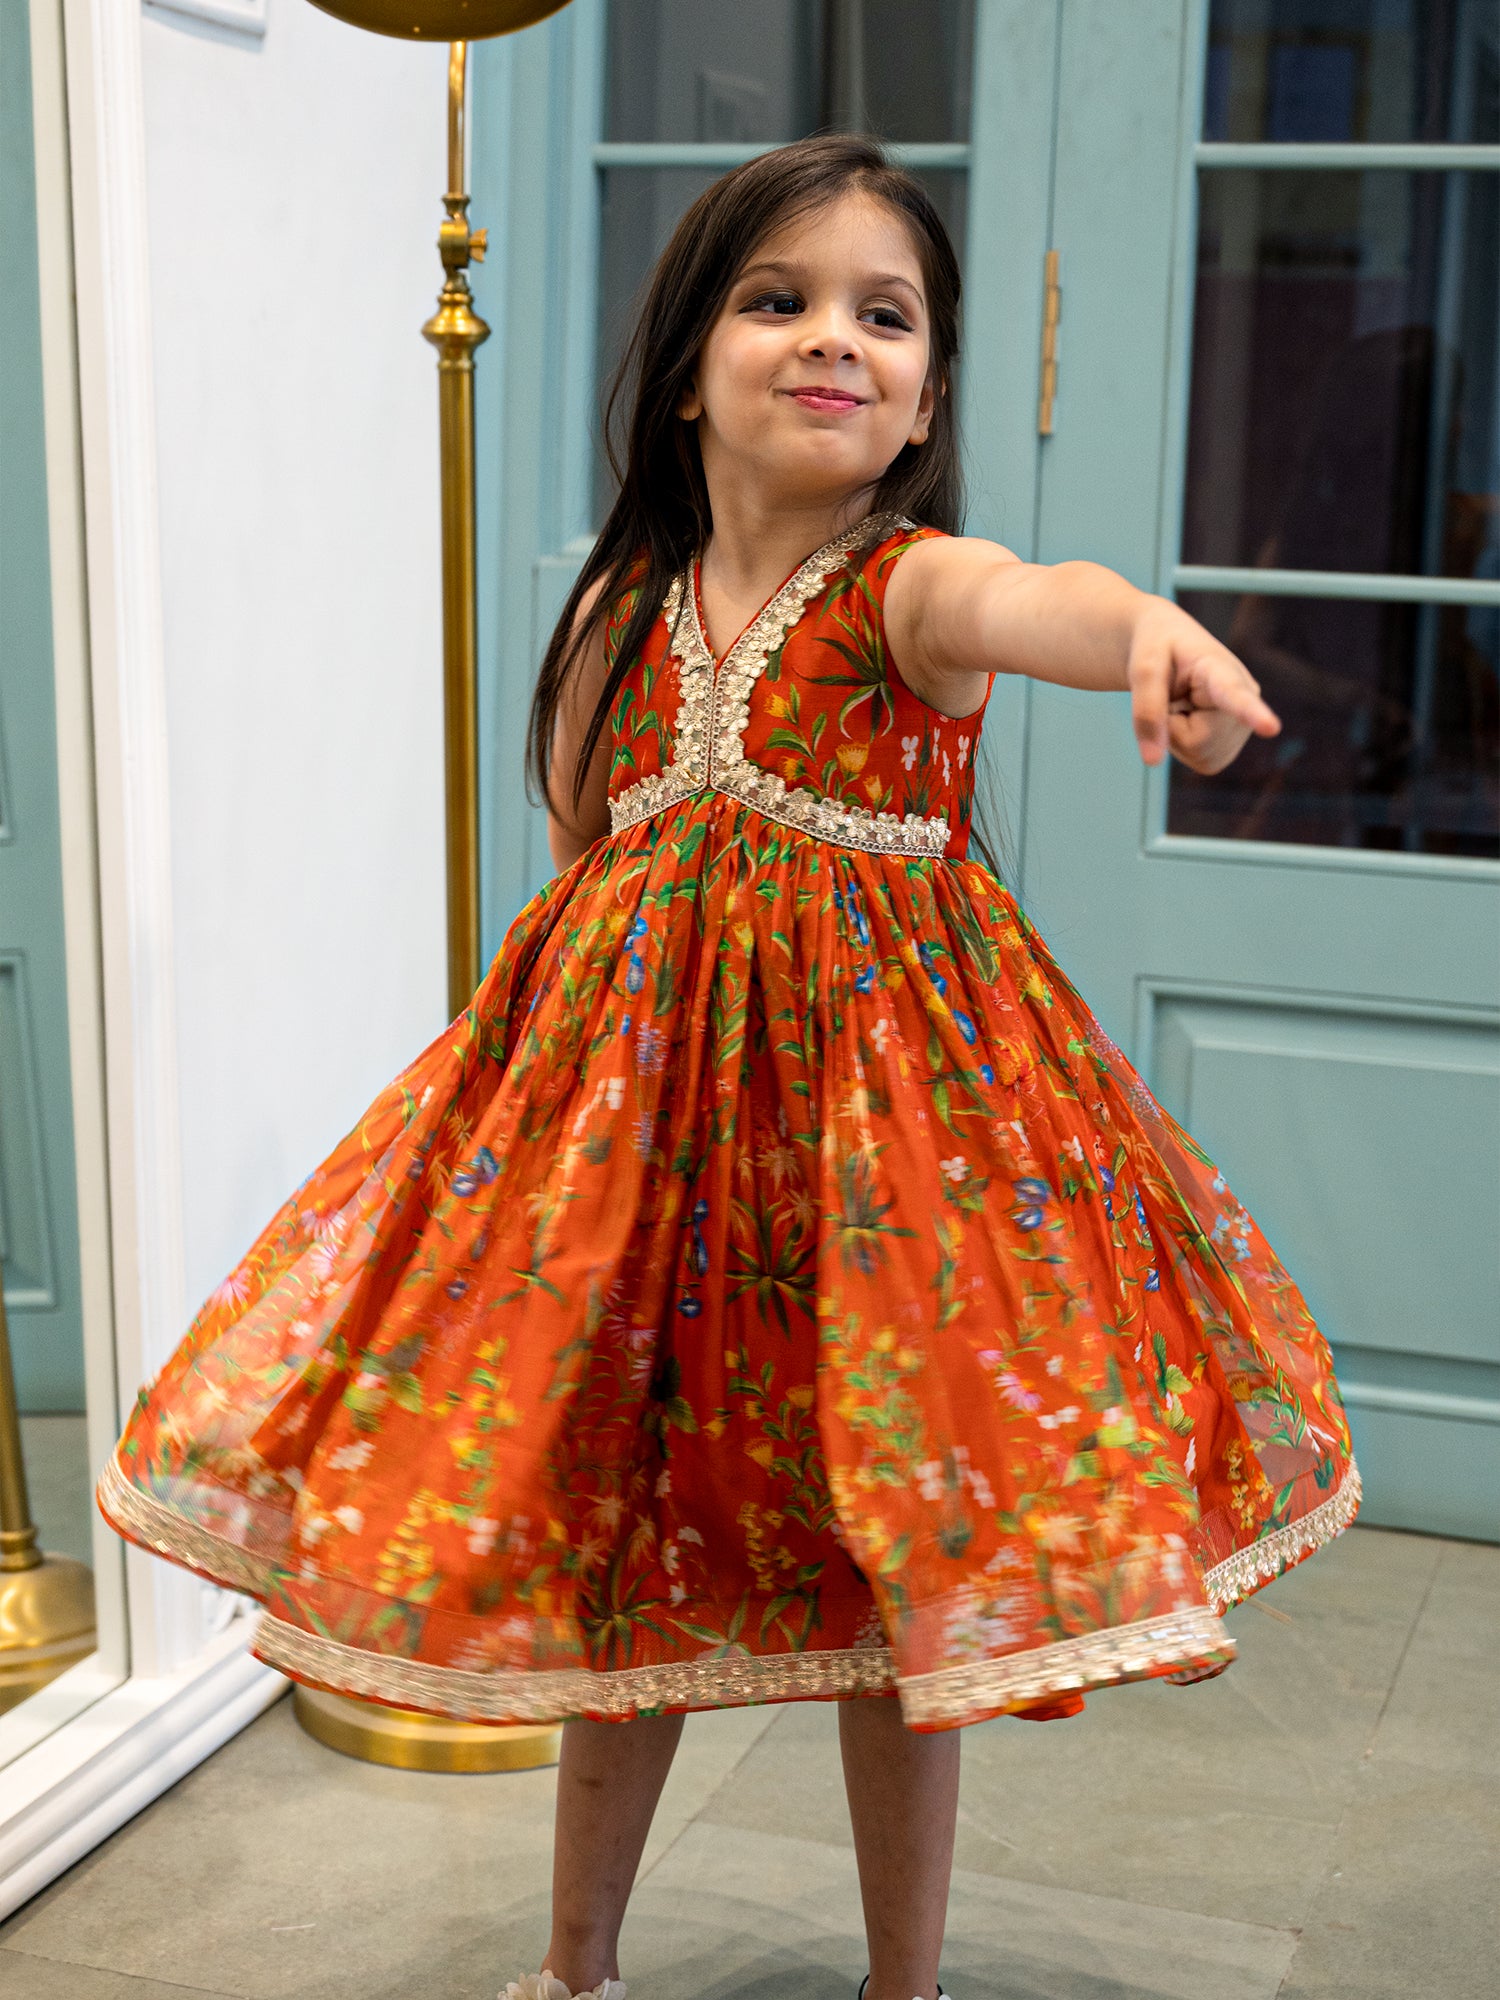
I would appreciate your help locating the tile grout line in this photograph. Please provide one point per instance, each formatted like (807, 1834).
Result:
(1417, 1616)
(1352, 1800)
(688, 1824)
(136, 1978)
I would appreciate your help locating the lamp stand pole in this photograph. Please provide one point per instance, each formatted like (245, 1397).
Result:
(46, 1601)
(456, 330)
(374, 1731)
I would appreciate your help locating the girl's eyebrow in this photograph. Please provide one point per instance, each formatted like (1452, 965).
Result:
(770, 269)
(882, 281)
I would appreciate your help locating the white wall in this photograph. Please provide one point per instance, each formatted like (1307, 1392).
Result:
(294, 196)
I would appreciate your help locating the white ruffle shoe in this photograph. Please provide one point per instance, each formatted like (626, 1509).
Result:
(866, 1980)
(545, 1985)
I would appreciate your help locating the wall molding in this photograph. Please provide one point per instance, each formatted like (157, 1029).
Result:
(1420, 1402)
(1151, 988)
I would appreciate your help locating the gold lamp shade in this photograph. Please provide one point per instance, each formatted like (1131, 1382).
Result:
(441, 20)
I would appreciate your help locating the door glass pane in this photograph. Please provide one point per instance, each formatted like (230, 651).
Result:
(711, 69)
(1390, 727)
(639, 208)
(1370, 71)
(1343, 397)
(697, 70)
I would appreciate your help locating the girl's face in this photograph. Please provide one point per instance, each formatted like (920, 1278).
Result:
(815, 373)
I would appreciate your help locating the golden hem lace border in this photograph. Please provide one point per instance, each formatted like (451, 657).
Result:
(553, 1695)
(146, 1520)
(1248, 1568)
(947, 1697)
(1193, 1641)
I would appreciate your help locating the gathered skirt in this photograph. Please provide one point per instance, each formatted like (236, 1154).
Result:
(774, 1285)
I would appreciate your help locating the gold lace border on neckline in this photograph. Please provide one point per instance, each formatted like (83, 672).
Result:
(708, 737)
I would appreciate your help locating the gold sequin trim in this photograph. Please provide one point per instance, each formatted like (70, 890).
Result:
(709, 735)
(950, 1696)
(1248, 1568)
(145, 1520)
(955, 1695)
(1192, 1641)
(508, 1695)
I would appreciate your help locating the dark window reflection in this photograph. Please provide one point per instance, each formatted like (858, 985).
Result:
(775, 70)
(1344, 373)
(1364, 71)
(639, 208)
(1390, 727)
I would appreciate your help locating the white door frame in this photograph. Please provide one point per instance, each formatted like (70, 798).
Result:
(172, 1679)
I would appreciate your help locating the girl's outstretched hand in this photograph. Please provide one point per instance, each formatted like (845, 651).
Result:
(1189, 694)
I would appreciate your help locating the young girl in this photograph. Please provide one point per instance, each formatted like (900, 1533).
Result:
(775, 1286)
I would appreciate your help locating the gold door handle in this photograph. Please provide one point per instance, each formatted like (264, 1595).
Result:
(1051, 310)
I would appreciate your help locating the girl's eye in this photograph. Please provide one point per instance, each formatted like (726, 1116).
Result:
(890, 316)
(784, 303)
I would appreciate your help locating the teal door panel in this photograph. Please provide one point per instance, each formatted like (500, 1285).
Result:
(38, 1199)
(1322, 1018)
(1345, 1112)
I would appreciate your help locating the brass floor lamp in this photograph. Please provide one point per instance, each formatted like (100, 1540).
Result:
(372, 1730)
(46, 1601)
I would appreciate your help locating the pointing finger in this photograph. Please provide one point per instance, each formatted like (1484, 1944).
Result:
(1236, 694)
(1149, 677)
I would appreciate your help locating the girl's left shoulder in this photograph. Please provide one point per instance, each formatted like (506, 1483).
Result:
(893, 538)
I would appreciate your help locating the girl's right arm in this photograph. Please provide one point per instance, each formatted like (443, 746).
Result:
(568, 835)
(958, 607)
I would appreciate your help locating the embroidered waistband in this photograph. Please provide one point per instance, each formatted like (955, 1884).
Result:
(826, 819)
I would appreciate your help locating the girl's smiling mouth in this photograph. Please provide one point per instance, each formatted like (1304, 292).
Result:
(835, 400)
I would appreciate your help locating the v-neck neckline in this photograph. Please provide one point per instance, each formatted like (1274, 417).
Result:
(850, 535)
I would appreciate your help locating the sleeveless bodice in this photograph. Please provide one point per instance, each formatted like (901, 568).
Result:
(806, 718)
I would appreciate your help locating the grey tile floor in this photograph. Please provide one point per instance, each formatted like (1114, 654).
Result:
(1321, 1823)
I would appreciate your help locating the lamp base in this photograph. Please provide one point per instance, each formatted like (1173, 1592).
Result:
(412, 1740)
(46, 1624)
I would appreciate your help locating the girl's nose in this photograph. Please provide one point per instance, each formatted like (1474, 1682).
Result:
(832, 336)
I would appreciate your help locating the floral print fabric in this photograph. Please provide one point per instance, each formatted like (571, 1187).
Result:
(774, 1285)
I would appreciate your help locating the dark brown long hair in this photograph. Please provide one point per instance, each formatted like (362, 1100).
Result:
(661, 513)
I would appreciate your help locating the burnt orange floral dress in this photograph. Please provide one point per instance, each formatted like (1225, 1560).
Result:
(774, 1285)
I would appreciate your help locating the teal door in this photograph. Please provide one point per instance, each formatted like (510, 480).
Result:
(1276, 397)
(38, 1199)
(1275, 389)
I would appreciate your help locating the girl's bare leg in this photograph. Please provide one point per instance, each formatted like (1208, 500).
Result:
(903, 1803)
(609, 1778)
